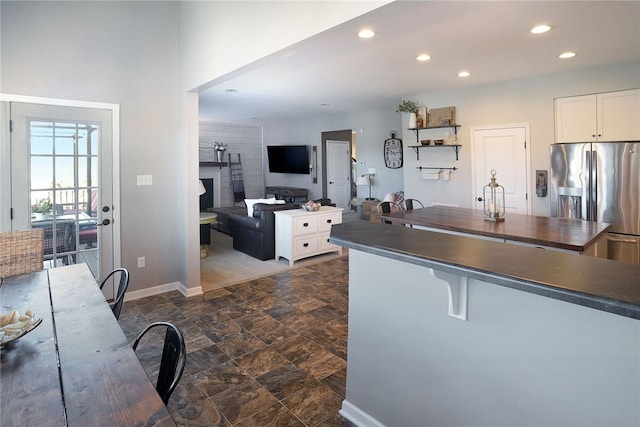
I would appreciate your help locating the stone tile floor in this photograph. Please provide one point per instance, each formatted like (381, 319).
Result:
(267, 352)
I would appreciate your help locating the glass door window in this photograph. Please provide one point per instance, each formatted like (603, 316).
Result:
(60, 178)
(64, 189)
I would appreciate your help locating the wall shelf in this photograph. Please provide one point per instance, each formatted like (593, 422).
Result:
(417, 130)
(437, 168)
(418, 147)
(214, 164)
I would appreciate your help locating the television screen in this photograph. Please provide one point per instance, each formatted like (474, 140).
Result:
(288, 158)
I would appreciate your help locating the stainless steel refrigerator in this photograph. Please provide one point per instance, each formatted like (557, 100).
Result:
(600, 182)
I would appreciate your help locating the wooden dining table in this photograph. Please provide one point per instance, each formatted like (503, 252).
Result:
(77, 367)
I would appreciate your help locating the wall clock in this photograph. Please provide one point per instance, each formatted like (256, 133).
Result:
(393, 151)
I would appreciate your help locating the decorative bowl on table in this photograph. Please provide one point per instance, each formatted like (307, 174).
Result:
(311, 206)
(13, 325)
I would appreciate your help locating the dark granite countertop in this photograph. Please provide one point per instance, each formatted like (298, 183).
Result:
(563, 233)
(598, 283)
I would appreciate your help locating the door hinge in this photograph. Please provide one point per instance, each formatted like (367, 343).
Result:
(11, 214)
(526, 196)
(525, 145)
(10, 125)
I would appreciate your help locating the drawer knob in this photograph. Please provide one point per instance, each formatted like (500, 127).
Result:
(306, 245)
(328, 221)
(306, 224)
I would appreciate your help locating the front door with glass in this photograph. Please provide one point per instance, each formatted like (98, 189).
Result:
(61, 163)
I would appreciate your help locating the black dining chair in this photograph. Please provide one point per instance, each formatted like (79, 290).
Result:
(409, 204)
(122, 288)
(174, 358)
(385, 208)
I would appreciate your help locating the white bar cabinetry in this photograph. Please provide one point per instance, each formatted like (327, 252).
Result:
(301, 234)
(609, 116)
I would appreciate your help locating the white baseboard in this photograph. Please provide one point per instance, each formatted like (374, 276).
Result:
(161, 289)
(357, 416)
(190, 292)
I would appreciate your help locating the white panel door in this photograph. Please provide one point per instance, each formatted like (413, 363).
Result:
(62, 181)
(504, 149)
(338, 173)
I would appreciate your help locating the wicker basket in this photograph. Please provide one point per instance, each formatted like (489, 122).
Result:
(21, 252)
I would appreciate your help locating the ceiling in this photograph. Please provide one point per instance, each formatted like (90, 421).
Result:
(337, 72)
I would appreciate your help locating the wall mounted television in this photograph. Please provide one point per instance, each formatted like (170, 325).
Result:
(288, 159)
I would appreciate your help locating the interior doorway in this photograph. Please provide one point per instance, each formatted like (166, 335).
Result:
(339, 166)
(338, 173)
(505, 149)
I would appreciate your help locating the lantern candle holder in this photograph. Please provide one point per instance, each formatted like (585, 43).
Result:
(493, 200)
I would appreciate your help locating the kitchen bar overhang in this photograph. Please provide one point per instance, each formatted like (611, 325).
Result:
(597, 283)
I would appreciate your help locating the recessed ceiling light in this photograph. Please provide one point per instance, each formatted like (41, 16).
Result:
(423, 57)
(366, 33)
(539, 29)
(231, 90)
(464, 74)
(567, 55)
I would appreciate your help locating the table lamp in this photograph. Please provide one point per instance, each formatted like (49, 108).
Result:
(365, 180)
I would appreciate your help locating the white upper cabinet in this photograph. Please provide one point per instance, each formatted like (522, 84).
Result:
(609, 116)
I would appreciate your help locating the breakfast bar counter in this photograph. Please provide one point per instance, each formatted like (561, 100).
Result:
(574, 235)
(458, 331)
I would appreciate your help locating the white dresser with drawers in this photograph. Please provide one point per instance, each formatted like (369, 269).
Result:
(302, 234)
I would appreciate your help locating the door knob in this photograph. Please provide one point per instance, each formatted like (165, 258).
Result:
(105, 208)
(104, 222)
(480, 199)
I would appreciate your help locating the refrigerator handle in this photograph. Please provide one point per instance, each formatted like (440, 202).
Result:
(593, 186)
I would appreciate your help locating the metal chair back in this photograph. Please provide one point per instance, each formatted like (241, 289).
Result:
(174, 357)
(409, 204)
(122, 288)
(387, 207)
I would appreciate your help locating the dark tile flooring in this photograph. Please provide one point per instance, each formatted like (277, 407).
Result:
(268, 352)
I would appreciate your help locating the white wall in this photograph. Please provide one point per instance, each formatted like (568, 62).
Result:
(371, 127)
(219, 37)
(517, 101)
(124, 53)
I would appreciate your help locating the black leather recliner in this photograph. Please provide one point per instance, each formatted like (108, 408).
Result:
(256, 236)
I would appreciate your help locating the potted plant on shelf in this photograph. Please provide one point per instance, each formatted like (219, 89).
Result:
(219, 149)
(411, 107)
(42, 208)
